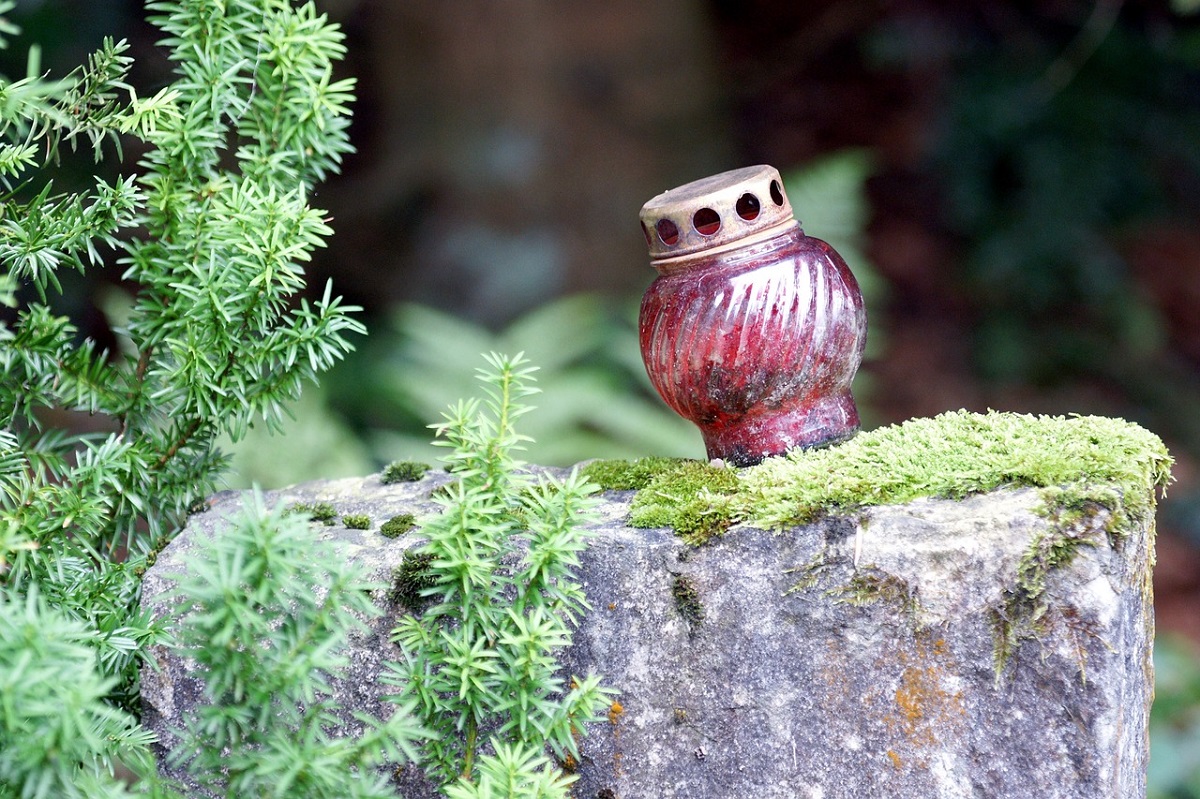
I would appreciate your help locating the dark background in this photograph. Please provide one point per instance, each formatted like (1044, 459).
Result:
(1032, 186)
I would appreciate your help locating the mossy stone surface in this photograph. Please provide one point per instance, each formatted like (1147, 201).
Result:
(1078, 460)
(956, 454)
(930, 637)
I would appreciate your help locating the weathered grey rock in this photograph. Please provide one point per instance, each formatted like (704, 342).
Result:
(858, 656)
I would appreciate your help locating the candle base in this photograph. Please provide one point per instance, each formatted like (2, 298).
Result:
(768, 432)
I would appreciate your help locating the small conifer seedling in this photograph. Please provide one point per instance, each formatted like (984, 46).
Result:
(480, 663)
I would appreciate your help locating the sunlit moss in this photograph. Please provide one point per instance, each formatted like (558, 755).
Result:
(956, 454)
(1078, 461)
(692, 497)
(624, 475)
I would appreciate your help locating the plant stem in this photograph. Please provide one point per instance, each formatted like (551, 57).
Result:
(469, 757)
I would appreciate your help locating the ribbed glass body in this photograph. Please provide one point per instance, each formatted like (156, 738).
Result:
(757, 345)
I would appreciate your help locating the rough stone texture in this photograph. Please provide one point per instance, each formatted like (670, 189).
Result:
(848, 658)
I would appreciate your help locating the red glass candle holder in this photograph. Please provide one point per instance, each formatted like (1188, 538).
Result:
(752, 330)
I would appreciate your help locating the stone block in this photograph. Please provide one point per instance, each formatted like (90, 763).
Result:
(982, 647)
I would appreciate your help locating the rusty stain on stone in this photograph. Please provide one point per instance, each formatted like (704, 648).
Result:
(926, 706)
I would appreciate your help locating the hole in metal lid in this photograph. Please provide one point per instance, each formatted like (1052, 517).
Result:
(706, 221)
(747, 207)
(776, 192)
(667, 232)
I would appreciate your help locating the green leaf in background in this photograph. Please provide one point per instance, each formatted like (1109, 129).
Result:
(595, 399)
(1175, 721)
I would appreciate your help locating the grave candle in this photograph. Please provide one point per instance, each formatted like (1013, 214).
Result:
(752, 329)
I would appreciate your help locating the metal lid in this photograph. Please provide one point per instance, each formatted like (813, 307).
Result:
(716, 213)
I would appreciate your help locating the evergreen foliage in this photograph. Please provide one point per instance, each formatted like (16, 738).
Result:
(103, 453)
(270, 608)
(481, 661)
(59, 739)
(214, 231)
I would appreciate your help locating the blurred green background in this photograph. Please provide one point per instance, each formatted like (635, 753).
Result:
(1016, 185)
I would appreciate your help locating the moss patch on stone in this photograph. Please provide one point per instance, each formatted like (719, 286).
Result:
(322, 512)
(870, 586)
(956, 454)
(403, 472)
(626, 475)
(357, 521)
(687, 600)
(411, 579)
(398, 525)
(691, 497)
(1077, 461)
(1096, 477)
(1081, 520)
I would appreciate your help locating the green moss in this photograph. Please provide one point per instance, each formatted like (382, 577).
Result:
(625, 475)
(871, 586)
(1082, 515)
(953, 455)
(809, 574)
(1080, 504)
(398, 525)
(1096, 477)
(410, 579)
(1078, 462)
(865, 586)
(691, 496)
(1026, 612)
(357, 521)
(687, 600)
(403, 472)
(317, 511)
